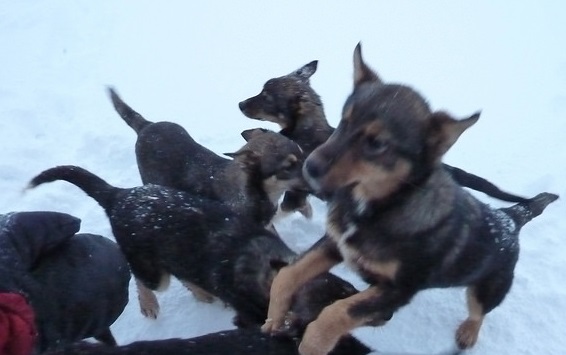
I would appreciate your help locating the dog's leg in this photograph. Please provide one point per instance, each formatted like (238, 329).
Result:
(336, 321)
(468, 332)
(290, 278)
(106, 337)
(199, 293)
(149, 305)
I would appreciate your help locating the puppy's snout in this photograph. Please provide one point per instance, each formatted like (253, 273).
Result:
(314, 169)
(242, 105)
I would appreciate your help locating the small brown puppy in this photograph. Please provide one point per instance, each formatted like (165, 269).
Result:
(398, 218)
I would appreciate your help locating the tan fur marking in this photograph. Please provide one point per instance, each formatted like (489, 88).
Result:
(289, 280)
(382, 270)
(377, 183)
(334, 322)
(200, 294)
(468, 332)
(149, 306)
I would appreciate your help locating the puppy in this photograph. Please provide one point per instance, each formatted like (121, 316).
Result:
(398, 218)
(202, 242)
(77, 285)
(233, 342)
(290, 102)
(168, 156)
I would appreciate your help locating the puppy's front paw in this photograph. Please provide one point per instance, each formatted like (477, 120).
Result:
(149, 306)
(316, 341)
(467, 334)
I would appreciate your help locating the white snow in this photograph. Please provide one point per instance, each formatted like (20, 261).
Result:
(192, 62)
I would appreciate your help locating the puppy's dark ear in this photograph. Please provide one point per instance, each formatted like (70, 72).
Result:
(253, 132)
(247, 159)
(363, 73)
(444, 131)
(306, 71)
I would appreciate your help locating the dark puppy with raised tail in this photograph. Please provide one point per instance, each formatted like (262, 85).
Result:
(76, 284)
(291, 102)
(168, 156)
(398, 218)
(202, 242)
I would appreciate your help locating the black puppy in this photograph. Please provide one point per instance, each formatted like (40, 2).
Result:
(166, 232)
(77, 285)
(292, 103)
(398, 218)
(232, 342)
(168, 156)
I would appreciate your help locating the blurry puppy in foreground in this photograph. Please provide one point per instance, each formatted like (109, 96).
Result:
(57, 287)
(168, 156)
(292, 103)
(398, 218)
(202, 242)
(229, 342)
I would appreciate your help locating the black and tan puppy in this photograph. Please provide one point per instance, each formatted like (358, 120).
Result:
(398, 218)
(77, 285)
(291, 102)
(168, 156)
(202, 242)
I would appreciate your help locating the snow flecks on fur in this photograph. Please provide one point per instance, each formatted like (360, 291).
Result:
(503, 228)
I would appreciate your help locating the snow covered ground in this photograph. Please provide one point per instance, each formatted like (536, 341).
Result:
(192, 62)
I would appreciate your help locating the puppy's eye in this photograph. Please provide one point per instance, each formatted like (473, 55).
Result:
(375, 145)
(267, 96)
(290, 166)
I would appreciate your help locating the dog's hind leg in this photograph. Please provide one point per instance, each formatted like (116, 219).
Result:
(106, 337)
(149, 306)
(468, 332)
(199, 293)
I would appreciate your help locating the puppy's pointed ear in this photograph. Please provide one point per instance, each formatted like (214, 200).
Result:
(306, 71)
(444, 131)
(363, 73)
(253, 132)
(247, 158)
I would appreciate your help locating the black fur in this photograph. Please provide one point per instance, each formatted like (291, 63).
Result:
(77, 284)
(229, 342)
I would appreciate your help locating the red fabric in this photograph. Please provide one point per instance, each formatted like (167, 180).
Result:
(17, 325)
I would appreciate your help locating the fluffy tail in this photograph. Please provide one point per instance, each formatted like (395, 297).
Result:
(524, 212)
(132, 118)
(94, 186)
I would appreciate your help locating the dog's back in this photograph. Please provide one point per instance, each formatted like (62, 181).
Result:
(84, 289)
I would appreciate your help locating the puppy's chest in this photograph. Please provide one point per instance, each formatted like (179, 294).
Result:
(375, 260)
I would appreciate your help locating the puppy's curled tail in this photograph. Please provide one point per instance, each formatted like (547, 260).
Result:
(524, 212)
(93, 185)
(132, 118)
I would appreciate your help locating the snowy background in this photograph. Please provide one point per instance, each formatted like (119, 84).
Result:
(192, 62)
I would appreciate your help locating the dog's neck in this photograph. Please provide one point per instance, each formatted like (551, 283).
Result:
(247, 195)
(410, 210)
(308, 127)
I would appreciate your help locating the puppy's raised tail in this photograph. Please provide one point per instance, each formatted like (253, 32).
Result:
(132, 118)
(93, 185)
(524, 212)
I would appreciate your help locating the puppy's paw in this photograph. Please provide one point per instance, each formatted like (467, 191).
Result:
(316, 341)
(149, 306)
(467, 333)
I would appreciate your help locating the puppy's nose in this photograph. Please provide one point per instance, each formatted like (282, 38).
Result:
(314, 169)
(242, 105)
